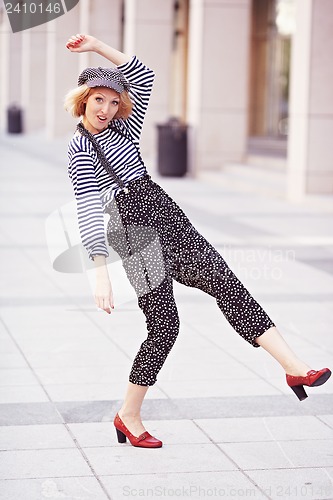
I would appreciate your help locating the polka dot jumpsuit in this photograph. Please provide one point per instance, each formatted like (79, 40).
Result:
(158, 244)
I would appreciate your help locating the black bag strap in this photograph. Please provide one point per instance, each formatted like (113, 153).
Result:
(101, 155)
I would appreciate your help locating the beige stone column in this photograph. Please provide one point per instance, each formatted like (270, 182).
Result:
(310, 150)
(148, 34)
(105, 22)
(99, 18)
(218, 76)
(33, 82)
(4, 66)
(61, 72)
(194, 83)
(11, 70)
(15, 68)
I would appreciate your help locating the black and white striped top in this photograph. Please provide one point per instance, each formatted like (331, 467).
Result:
(93, 186)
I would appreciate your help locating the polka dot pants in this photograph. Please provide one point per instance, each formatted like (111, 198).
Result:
(158, 244)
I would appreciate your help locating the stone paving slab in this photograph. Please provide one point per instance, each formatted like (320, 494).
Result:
(195, 485)
(303, 483)
(34, 437)
(174, 432)
(121, 459)
(281, 428)
(274, 455)
(21, 394)
(70, 488)
(28, 414)
(328, 419)
(42, 463)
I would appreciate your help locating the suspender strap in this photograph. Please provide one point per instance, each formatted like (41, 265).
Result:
(101, 156)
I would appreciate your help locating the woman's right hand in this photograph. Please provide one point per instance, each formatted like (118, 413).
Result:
(82, 43)
(104, 294)
(88, 43)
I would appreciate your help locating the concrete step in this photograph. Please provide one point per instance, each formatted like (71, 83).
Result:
(268, 181)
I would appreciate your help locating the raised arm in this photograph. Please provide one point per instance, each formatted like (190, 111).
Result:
(139, 76)
(88, 43)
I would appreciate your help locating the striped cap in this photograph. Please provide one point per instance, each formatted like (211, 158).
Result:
(104, 77)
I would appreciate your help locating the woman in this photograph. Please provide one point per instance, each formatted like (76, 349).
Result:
(153, 236)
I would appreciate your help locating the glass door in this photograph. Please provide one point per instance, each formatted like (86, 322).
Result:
(272, 28)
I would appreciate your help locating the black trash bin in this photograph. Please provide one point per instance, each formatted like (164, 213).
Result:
(172, 148)
(14, 119)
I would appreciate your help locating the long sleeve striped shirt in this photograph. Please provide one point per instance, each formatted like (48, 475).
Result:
(93, 186)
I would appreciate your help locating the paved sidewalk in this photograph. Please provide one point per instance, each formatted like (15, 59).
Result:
(231, 427)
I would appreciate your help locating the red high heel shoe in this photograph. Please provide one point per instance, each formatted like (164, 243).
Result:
(145, 440)
(312, 379)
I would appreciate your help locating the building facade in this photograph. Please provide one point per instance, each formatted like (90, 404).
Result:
(251, 78)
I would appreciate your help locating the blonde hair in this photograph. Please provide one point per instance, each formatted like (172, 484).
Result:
(74, 102)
